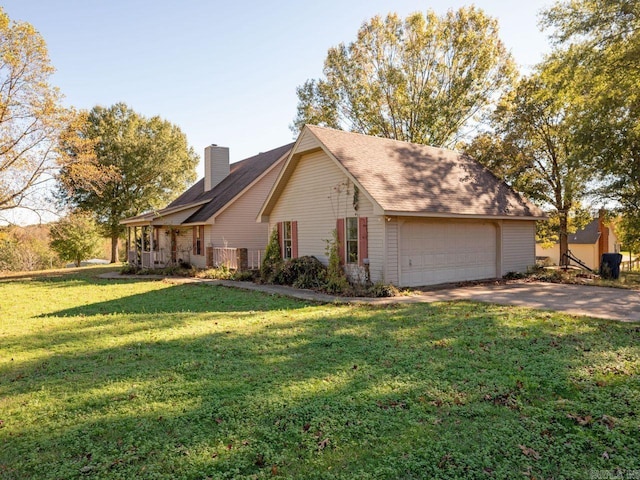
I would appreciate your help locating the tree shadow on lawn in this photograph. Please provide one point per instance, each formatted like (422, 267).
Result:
(148, 312)
(195, 298)
(415, 391)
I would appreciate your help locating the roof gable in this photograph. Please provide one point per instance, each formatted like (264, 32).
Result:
(411, 179)
(406, 177)
(241, 176)
(588, 235)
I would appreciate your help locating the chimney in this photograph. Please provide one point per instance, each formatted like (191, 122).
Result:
(216, 165)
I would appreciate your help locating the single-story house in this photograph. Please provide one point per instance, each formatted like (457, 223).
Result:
(208, 223)
(587, 245)
(405, 214)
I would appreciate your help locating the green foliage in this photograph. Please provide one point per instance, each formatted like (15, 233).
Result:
(26, 249)
(380, 289)
(548, 232)
(534, 149)
(598, 43)
(30, 115)
(629, 233)
(221, 273)
(76, 238)
(336, 279)
(424, 79)
(303, 272)
(116, 163)
(148, 379)
(272, 261)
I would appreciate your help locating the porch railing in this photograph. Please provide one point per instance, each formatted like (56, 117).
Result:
(220, 257)
(228, 258)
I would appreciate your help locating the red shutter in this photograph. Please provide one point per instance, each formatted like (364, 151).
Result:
(195, 239)
(280, 238)
(294, 239)
(363, 240)
(340, 232)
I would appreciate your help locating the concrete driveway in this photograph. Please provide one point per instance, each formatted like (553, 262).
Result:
(599, 302)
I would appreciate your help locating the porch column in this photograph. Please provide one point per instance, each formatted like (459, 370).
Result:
(151, 253)
(128, 244)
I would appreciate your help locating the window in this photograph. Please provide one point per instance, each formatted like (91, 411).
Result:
(198, 240)
(351, 238)
(286, 240)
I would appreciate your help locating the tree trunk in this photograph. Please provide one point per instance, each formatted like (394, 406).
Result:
(114, 248)
(78, 262)
(564, 242)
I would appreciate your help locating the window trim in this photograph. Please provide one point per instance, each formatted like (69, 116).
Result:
(353, 242)
(287, 242)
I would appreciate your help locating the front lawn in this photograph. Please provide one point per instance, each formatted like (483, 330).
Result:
(149, 379)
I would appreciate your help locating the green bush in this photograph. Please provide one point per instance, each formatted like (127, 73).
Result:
(245, 276)
(337, 282)
(272, 261)
(303, 272)
(380, 289)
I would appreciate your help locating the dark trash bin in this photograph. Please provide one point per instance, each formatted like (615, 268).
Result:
(610, 265)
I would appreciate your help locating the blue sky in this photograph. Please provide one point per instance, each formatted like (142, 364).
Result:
(224, 71)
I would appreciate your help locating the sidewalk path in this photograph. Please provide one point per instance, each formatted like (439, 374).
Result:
(600, 302)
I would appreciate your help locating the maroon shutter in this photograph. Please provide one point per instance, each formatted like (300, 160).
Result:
(340, 232)
(280, 238)
(201, 252)
(363, 240)
(195, 240)
(294, 239)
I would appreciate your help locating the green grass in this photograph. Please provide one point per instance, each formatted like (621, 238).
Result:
(149, 379)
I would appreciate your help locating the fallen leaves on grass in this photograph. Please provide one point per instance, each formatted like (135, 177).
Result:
(529, 452)
(580, 420)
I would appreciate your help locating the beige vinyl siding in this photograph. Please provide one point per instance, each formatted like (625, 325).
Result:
(316, 195)
(518, 245)
(391, 231)
(586, 253)
(308, 141)
(236, 226)
(176, 218)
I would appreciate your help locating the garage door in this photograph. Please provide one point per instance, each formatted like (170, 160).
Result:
(441, 252)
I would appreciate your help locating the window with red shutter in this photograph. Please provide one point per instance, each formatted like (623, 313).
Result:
(294, 239)
(340, 235)
(363, 240)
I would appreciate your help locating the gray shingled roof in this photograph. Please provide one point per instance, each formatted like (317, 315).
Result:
(241, 175)
(406, 177)
(588, 235)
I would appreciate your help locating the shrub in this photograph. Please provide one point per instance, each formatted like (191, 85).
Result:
(303, 272)
(380, 289)
(272, 261)
(245, 276)
(129, 269)
(337, 282)
(220, 273)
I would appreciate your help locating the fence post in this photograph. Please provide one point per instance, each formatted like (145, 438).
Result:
(242, 259)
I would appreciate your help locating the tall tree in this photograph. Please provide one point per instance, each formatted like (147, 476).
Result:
(76, 238)
(424, 79)
(533, 148)
(599, 41)
(30, 114)
(116, 163)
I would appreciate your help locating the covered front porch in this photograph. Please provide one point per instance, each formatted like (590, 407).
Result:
(156, 246)
(160, 246)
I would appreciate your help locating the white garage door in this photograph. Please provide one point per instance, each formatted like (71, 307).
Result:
(441, 252)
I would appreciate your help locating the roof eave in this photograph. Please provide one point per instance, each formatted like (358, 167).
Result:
(399, 213)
